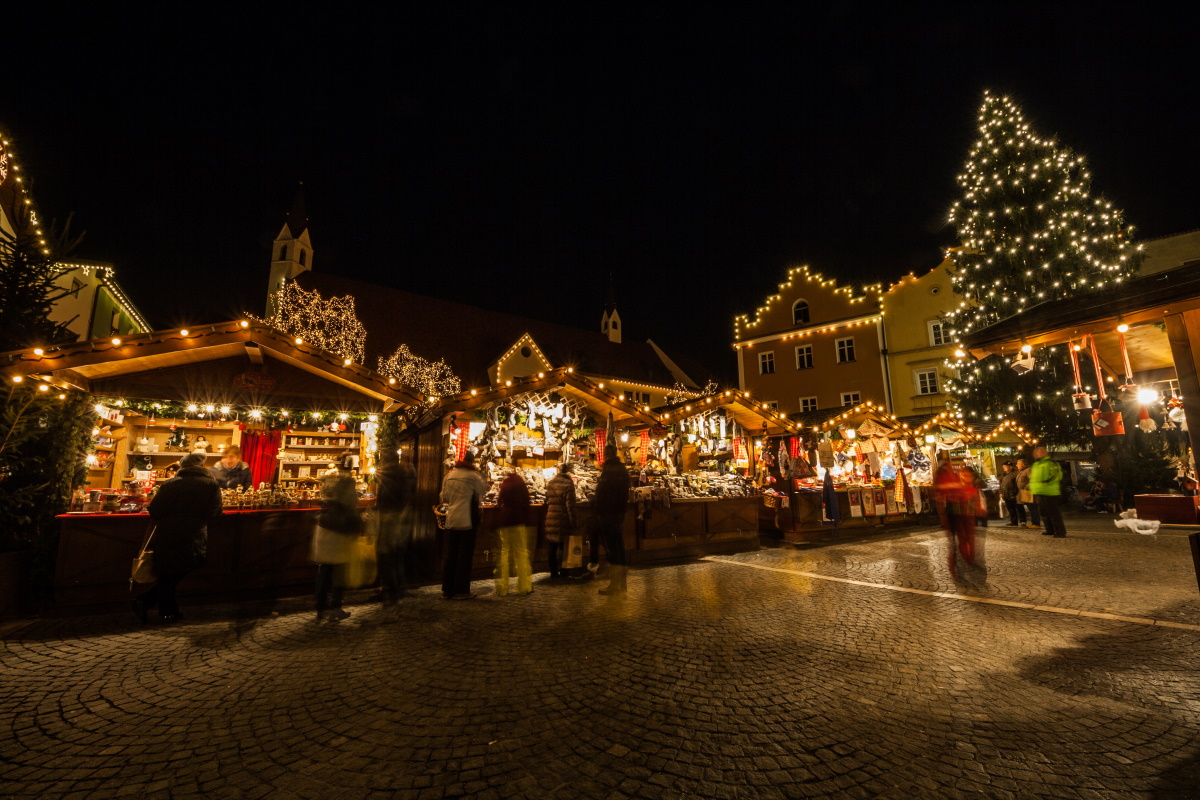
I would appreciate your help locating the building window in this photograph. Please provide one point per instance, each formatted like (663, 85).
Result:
(766, 363)
(76, 286)
(800, 313)
(845, 350)
(808, 404)
(283, 252)
(773, 405)
(851, 399)
(116, 320)
(641, 398)
(939, 334)
(303, 256)
(804, 356)
(927, 381)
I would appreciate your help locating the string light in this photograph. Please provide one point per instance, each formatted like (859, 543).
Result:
(330, 324)
(430, 378)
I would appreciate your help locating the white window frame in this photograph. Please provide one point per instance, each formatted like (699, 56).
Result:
(773, 405)
(852, 403)
(809, 349)
(762, 362)
(918, 374)
(843, 350)
(809, 400)
(938, 329)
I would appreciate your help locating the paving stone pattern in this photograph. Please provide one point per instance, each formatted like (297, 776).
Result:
(712, 679)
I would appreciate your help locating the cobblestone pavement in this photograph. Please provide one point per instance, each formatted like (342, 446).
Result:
(851, 669)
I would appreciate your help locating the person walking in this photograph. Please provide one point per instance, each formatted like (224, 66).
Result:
(612, 501)
(512, 530)
(463, 490)
(1025, 497)
(395, 489)
(181, 511)
(560, 517)
(1045, 478)
(338, 525)
(231, 472)
(954, 495)
(1008, 491)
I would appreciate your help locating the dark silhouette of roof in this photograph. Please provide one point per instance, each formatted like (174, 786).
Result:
(471, 339)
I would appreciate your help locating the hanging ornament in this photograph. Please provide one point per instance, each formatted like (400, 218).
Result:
(1104, 423)
(1145, 421)
(1081, 399)
(342, 427)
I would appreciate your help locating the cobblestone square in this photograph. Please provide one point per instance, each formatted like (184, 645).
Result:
(851, 669)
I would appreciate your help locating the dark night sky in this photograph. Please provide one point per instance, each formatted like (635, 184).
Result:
(512, 155)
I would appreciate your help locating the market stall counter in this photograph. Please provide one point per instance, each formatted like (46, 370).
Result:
(250, 553)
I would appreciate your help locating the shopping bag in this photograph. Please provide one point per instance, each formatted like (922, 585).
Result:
(143, 565)
(1107, 423)
(573, 555)
(360, 568)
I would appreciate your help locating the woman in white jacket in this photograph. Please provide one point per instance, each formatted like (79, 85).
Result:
(462, 491)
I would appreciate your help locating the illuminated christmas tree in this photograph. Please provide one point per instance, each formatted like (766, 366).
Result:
(1029, 226)
(331, 324)
(431, 378)
(1030, 231)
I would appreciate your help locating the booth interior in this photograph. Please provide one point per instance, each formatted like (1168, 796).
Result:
(293, 410)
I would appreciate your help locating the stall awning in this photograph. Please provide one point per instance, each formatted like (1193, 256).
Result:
(224, 360)
(858, 415)
(599, 401)
(746, 412)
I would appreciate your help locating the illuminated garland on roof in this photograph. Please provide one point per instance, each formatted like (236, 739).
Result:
(742, 322)
(331, 324)
(433, 378)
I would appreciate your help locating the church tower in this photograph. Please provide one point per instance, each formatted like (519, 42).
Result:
(291, 253)
(610, 323)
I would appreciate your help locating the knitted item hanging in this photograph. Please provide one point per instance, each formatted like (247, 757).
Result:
(601, 440)
(644, 448)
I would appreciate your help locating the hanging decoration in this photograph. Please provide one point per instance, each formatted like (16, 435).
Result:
(1145, 421)
(644, 448)
(1080, 399)
(601, 441)
(1104, 423)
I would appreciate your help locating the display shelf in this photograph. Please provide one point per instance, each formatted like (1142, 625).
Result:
(317, 446)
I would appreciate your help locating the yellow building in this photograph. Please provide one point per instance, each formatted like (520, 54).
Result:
(918, 342)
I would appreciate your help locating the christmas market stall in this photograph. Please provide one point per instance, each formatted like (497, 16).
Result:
(850, 468)
(698, 467)
(293, 410)
(529, 425)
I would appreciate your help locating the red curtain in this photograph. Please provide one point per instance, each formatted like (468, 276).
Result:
(259, 451)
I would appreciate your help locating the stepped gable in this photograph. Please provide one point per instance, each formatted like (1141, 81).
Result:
(472, 339)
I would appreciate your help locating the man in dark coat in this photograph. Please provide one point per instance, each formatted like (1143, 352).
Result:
(611, 501)
(1008, 490)
(181, 510)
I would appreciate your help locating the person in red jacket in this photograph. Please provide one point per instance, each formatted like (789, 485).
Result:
(512, 529)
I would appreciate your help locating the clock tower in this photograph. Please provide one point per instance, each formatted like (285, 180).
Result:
(291, 253)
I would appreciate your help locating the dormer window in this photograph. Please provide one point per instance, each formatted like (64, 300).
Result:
(303, 257)
(614, 324)
(800, 313)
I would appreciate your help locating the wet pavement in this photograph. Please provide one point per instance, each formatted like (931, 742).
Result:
(852, 669)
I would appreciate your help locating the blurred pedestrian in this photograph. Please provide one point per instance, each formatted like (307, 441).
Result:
(561, 517)
(181, 510)
(1045, 477)
(512, 529)
(977, 481)
(1025, 497)
(395, 489)
(955, 498)
(1008, 491)
(611, 503)
(463, 489)
(338, 525)
(231, 472)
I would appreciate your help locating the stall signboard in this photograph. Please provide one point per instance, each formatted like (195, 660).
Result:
(881, 504)
(868, 503)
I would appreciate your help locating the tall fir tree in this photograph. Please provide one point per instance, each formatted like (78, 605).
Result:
(1031, 231)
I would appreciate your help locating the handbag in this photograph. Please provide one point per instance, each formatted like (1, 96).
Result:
(1107, 423)
(360, 569)
(1024, 496)
(143, 564)
(573, 555)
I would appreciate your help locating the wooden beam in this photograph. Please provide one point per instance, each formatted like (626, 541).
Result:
(1183, 332)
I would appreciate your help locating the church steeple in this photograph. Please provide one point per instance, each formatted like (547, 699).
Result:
(292, 251)
(610, 322)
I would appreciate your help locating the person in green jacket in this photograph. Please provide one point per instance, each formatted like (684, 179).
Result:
(1044, 479)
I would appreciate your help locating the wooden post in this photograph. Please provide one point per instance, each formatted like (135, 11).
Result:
(1183, 332)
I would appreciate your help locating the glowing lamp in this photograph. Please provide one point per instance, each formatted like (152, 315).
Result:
(283, 413)
(930, 438)
(37, 351)
(299, 340)
(343, 417)
(224, 409)
(960, 354)
(1147, 396)
(255, 414)
(209, 408)
(116, 342)
(183, 332)
(851, 433)
(1122, 328)
(192, 408)
(1026, 348)
(43, 388)
(244, 324)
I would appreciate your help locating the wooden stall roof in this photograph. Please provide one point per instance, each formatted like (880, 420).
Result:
(1005, 431)
(1139, 303)
(564, 380)
(746, 412)
(153, 365)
